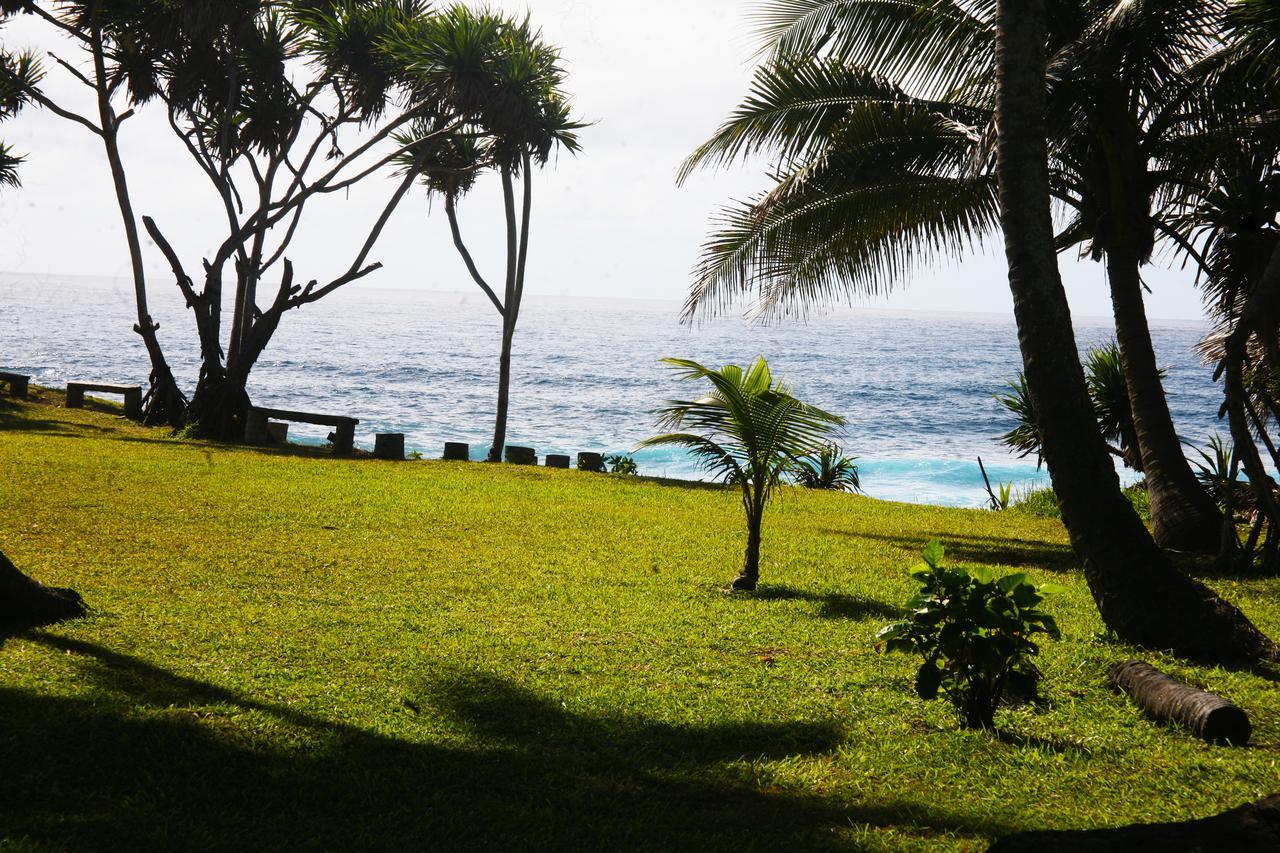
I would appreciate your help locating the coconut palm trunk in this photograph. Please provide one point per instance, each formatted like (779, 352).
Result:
(1138, 592)
(1183, 515)
(750, 576)
(26, 603)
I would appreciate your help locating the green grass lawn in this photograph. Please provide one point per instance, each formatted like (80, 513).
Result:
(291, 651)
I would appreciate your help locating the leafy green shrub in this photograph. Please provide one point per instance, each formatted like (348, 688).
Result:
(828, 469)
(975, 633)
(622, 464)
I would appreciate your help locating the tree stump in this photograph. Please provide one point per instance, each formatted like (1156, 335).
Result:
(521, 455)
(1166, 699)
(455, 451)
(1252, 827)
(389, 446)
(556, 460)
(591, 462)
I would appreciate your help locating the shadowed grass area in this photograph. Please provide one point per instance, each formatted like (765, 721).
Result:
(288, 650)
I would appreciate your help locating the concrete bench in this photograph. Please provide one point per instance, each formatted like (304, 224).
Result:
(344, 429)
(17, 383)
(132, 396)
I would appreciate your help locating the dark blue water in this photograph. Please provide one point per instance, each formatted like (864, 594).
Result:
(915, 387)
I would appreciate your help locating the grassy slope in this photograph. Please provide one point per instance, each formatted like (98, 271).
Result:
(292, 651)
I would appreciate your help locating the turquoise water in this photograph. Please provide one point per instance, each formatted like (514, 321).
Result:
(915, 387)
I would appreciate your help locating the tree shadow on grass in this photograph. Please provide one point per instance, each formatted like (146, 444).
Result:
(988, 550)
(153, 761)
(832, 605)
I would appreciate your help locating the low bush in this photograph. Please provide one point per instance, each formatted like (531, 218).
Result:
(976, 634)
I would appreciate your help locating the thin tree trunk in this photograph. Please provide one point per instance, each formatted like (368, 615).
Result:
(164, 403)
(510, 316)
(1139, 594)
(504, 394)
(26, 603)
(751, 563)
(1183, 515)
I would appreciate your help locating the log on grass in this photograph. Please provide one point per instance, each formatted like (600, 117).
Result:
(1251, 827)
(1169, 700)
(26, 603)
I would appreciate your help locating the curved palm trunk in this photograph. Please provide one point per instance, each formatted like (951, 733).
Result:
(1139, 594)
(164, 403)
(1183, 515)
(26, 603)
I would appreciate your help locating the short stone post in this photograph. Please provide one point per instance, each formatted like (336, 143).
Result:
(255, 427)
(389, 446)
(556, 460)
(591, 462)
(133, 404)
(456, 451)
(344, 439)
(521, 455)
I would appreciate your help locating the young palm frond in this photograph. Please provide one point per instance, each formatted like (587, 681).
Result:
(748, 431)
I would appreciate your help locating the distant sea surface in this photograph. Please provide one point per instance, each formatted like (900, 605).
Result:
(916, 388)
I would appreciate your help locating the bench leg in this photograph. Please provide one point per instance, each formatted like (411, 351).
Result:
(19, 388)
(75, 398)
(133, 404)
(255, 428)
(344, 439)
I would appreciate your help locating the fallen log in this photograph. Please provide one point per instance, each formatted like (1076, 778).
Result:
(1168, 700)
(26, 603)
(1248, 828)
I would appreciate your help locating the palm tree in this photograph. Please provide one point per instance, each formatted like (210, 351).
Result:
(879, 116)
(100, 31)
(748, 431)
(1140, 595)
(828, 469)
(506, 83)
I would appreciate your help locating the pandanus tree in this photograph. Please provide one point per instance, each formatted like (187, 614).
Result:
(506, 84)
(748, 430)
(95, 31)
(1139, 594)
(19, 73)
(879, 118)
(278, 104)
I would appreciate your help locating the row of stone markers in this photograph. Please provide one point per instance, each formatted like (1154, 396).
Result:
(455, 451)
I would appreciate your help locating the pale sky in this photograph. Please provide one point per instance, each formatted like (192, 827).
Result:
(655, 78)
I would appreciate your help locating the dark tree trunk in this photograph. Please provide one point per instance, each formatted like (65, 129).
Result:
(164, 402)
(504, 394)
(1138, 592)
(25, 603)
(751, 563)
(1254, 827)
(1183, 515)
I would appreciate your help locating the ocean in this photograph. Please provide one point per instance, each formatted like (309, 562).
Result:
(915, 387)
